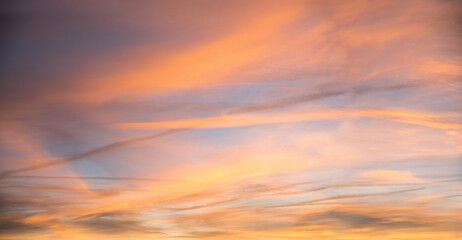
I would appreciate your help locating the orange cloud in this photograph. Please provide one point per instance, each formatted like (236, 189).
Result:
(210, 62)
(229, 121)
(228, 189)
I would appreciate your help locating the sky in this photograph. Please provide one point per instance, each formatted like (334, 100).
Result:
(252, 120)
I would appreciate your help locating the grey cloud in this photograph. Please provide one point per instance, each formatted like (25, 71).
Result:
(349, 196)
(8, 227)
(354, 219)
(206, 234)
(13, 211)
(113, 223)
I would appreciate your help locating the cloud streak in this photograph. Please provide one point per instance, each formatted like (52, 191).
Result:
(197, 124)
(230, 120)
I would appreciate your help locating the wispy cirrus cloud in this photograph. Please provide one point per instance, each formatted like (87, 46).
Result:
(391, 176)
(230, 120)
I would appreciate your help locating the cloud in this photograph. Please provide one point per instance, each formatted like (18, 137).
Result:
(112, 223)
(188, 125)
(225, 121)
(90, 152)
(14, 211)
(353, 219)
(340, 197)
(330, 88)
(390, 176)
(99, 178)
(13, 227)
(367, 221)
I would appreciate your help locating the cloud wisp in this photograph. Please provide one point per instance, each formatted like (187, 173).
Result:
(279, 104)
(230, 119)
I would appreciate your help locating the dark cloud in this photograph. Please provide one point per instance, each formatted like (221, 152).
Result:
(18, 205)
(113, 223)
(8, 227)
(358, 220)
(354, 220)
(13, 211)
(372, 220)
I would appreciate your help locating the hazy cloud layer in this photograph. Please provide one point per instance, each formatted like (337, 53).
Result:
(230, 120)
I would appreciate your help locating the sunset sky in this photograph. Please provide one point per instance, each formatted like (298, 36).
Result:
(231, 119)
